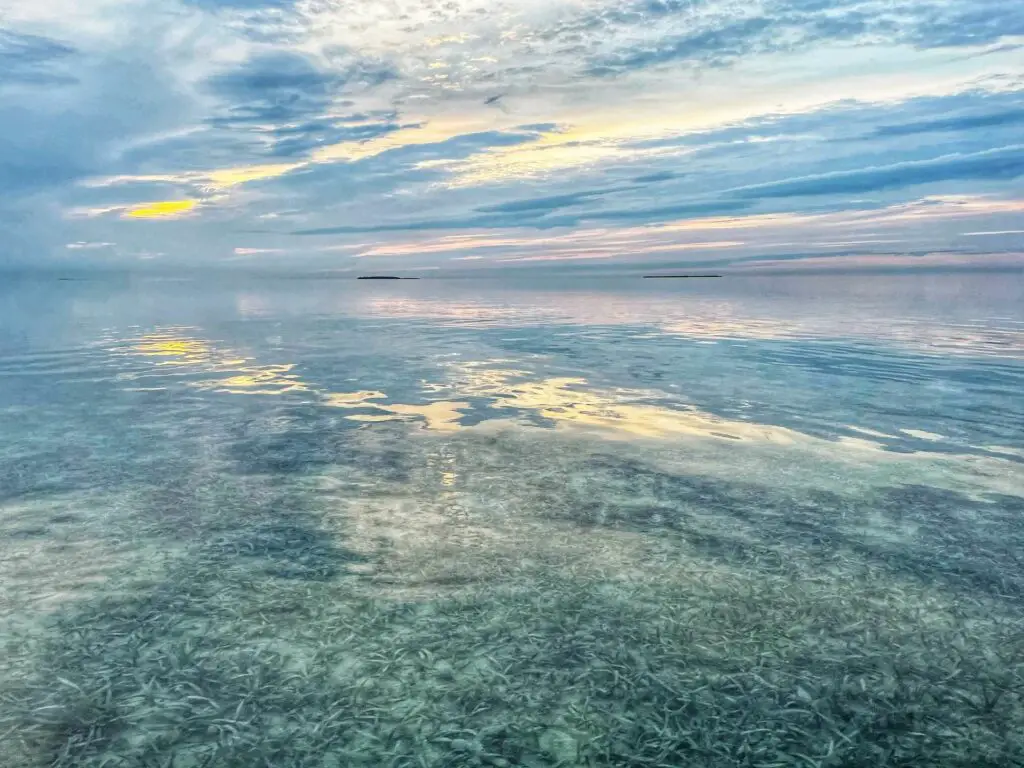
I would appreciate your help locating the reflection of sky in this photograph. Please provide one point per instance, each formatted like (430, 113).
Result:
(408, 413)
(234, 374)
(916, 313)
(739, 363)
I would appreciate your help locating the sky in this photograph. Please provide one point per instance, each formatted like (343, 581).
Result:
(417, 135)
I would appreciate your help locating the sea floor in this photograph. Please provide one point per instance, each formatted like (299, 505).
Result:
(374, 536)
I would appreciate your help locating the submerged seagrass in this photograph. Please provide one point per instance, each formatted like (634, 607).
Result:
(253, 525)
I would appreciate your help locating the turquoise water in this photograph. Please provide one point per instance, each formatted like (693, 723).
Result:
(520, 521)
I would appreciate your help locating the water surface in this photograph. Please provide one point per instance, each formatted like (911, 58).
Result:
(601, 521)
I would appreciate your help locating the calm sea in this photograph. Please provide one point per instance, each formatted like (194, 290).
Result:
(598, 521)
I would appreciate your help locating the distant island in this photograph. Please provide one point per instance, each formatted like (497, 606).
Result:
(385, 277)
(653, 277)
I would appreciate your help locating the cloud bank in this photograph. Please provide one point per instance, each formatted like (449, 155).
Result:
(465, 134)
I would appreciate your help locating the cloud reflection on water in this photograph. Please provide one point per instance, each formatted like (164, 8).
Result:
(237, 374)
(468, 392)
(714, 319)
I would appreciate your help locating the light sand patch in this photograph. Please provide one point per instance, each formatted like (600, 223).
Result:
(50, 558)
(424, 547)
(1003, 449)
(922, 435)
(870, 432)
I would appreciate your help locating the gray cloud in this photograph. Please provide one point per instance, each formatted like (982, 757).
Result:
(729, 173)
(284, 87)
(977, 22)
(322, 73)
(718, 40)
(550, 203)
(543, 205)
(997, 164)
(712, 46)
(652, 178)
(53, 138)
(294, 141)
(279, 104)
(49, 142)
(539, 219)
(32, 59)
(955, 123)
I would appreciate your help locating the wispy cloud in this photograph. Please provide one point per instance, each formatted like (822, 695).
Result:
(84, 246)
(719, 34)
(1003, 163)
(33, 60)
(954, 123)
(440, 130)
(993, 232)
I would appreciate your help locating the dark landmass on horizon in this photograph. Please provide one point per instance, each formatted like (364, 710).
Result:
(678, 277)
(385, 277)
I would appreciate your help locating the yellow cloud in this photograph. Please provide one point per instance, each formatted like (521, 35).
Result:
(231, 177)
(161, 209)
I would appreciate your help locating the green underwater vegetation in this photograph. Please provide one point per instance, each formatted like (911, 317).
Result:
(428, 545)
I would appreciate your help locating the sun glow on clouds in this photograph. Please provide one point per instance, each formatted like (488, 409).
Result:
(161, 210)
(872, 230)
(546, 129)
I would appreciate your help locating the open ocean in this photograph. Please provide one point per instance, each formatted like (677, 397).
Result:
(536, 521)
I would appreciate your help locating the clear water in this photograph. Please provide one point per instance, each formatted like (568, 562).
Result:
(600, 521)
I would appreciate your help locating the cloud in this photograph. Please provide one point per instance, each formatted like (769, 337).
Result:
(1004, 163)
(256, 251)
(542, 221)
(274, 85)
(951, 124)
(274, 117)
(993, 233)
(651, 178)
(85, 246)
(240, 5)
(978, 22)
(714, 46)
(33, 60)
(300, 140)
(161, 210)
(542, 204)
(717, 35)
(283, 86)
(52, 138)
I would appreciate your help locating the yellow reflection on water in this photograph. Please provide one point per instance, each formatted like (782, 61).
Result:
(570, 401)
(268, 380)
(235, 373)
(183, 350)
(440, 416)
(352, 399)
(442, 465)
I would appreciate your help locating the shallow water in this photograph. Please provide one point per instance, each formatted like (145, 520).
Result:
(600, 521)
